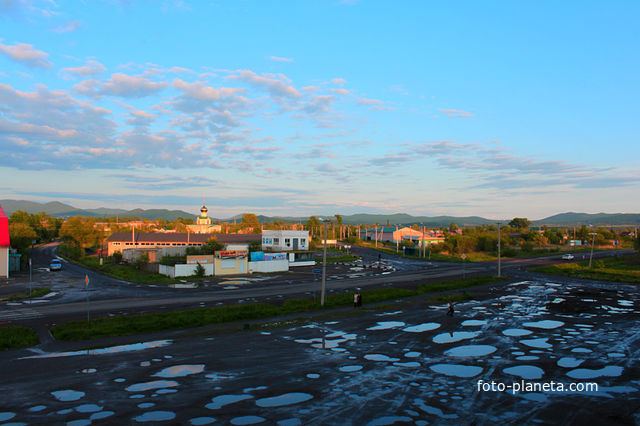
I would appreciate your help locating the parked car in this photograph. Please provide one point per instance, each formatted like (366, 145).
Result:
(567, 256)
(55, 265)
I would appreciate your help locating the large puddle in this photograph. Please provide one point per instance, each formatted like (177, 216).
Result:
(457, 370)
(222, 400)
(386, 325)
(470, 351)
(67, 395)
(587, 373)
(529, 372)
(109, 350)
(156, 384)
(285, 399)
(455, 336)
(180, 371)
(420, 328)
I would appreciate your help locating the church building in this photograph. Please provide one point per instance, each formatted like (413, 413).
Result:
(203, 223)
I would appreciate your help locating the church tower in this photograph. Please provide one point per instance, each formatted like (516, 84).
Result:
(203, 219)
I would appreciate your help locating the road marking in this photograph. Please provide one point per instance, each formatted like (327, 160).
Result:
(19, 314)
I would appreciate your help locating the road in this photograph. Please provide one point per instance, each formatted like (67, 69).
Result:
(109, 296)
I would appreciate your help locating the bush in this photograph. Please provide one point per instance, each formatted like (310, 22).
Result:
(117, 257)
(200, 271)
(14, 336)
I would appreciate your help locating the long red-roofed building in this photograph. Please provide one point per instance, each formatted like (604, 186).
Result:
(119, 241)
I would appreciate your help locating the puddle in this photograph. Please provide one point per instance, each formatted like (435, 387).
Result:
(222, 400)
(247, 420)
(89, 371)
(37, 408)
(616, 355)
(67, 395)
(313, 376)
(420, 328)
(156, 416)
(527, 358)
(146, 404)
(388, 313)
(284, 399)
(101, 415)
(569, 362)
(180, 370)
(457, 370)
(528, 372)
(471, 351)
(386, 325)
(156, 384)
(537, 343)
(581, 350)
(380, 357)
(164, 391)
(88, 408)
(350, 368)
(456, 336)
(473, 323)
(587, 373)
(516, 332)
(202, 421)
(544, 324)
(410, 364)
(412, 354)
(389, 420)
(109, 350)
(6, 416)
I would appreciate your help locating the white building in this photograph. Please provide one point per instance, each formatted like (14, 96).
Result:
(285, 240)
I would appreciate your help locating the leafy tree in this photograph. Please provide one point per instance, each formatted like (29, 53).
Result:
(519, 223)
(255, 246)
(312, 224)
(250, 220)
(80, 232)
(22, 235)
(141, 261)
(453, 227)
(117, 257)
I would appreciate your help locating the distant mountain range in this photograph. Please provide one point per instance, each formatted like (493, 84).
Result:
(57, 209)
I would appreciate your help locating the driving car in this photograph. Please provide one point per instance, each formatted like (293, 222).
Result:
(567, 256)
(55, 265)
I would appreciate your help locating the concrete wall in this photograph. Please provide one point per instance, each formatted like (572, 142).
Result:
(184, 270)
(269, 266)
(4, 262)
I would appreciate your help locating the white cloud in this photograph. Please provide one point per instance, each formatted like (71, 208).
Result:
(91, 68)
(26, 54)
(455, 113)
(122, 85)
(68, 27)
(280, 59)
(276, 85)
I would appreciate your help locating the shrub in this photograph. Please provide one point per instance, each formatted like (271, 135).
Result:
(200, 271)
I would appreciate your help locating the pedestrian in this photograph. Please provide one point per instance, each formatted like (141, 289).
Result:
(355, 300)
(450, 311)
(379, 257)
(359, 299)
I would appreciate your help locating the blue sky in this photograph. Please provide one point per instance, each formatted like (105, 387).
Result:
(498, 109)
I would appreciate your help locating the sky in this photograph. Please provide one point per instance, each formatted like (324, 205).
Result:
(498, 109)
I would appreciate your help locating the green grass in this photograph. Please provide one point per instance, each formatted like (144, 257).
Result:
(617, 269)
(146, 323)
(38, 292)
(14, 336)
(125, 272)
(342, 258)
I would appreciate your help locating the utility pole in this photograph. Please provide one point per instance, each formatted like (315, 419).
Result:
(593, 239)
(324, 264)
(499, 271)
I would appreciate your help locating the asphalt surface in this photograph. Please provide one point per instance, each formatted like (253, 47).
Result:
(404, 363)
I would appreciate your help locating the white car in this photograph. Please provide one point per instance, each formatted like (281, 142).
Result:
(55, 265)
(568, 256)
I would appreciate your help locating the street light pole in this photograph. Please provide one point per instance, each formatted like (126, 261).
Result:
(499, 265)
(324, 264)
(593, 239)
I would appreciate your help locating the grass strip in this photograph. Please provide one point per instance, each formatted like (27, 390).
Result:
(147, 323)
(38, 292)
(616, 269)
(124, 272)
(15, 336)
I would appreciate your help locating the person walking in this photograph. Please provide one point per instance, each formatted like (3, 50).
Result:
(450, 311)
(355, 300)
